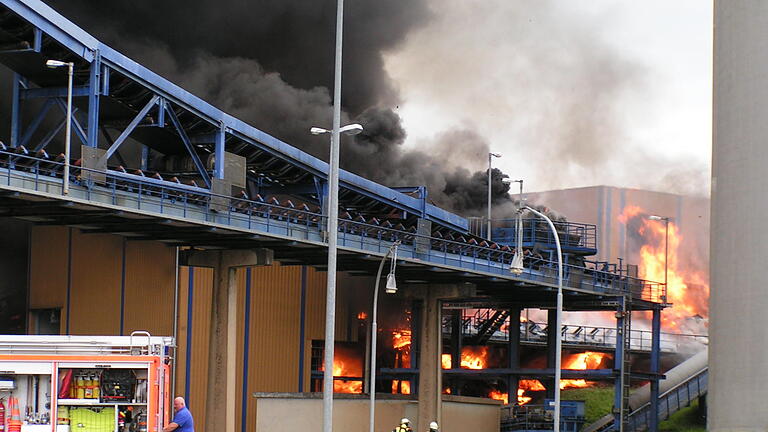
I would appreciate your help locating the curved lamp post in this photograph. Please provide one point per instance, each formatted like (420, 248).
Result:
(559, 316)
(391, 288)
(490, 158)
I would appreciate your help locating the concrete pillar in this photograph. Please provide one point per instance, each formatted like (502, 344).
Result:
(430, 345)
(221, 400)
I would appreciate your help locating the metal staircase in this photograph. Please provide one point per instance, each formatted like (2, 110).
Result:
(490, 326)
(624, 318)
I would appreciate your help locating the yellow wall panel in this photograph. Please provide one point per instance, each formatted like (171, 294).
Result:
(150, 283)
(96, 281)
(48, 268)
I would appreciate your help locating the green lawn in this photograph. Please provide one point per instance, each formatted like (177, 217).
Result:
(686, 420)
(599, 401)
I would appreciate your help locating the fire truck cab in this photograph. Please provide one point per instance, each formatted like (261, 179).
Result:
(85, 383)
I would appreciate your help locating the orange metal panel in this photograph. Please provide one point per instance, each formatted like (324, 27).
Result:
(149, 287)
(96, 281)
(48, 268)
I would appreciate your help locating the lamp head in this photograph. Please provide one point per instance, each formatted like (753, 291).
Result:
(498, 155)
(657, 218)
(516, 266)
(391, 284)
(318, 131)
(55, 64)
(352, 129)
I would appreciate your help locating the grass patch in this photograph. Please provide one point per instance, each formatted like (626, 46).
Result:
(598, 401)
(687, 419)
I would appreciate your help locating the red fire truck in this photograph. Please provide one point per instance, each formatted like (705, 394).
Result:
(85, 383)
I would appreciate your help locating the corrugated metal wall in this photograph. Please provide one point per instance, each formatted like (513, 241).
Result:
(49, 270)
(149, 274)
(94, 305)
(192, 351)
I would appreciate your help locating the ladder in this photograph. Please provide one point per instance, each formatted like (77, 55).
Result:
(624, 315)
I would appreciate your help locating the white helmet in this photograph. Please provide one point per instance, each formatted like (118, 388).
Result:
(433, 425)
(404, 421)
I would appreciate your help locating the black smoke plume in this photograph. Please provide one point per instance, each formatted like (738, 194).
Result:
(270, 63)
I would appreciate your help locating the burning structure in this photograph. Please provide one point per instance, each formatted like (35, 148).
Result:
(182, 219)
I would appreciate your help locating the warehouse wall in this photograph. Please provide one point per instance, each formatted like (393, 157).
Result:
(105, 284)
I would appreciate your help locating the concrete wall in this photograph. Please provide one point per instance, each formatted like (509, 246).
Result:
(291, 413)
(738, 385)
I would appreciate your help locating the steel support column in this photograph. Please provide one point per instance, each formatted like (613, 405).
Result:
(551, 350)
(16, 110)
(513, 353)
(94, 89)
(456, 348)
(218, 169)
(653, 424)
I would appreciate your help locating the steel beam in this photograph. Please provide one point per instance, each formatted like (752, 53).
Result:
(131, 126)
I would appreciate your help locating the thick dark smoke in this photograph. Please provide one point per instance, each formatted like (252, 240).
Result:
(271, 64)
(295, 38)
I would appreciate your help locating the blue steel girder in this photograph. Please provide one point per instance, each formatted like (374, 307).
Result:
(131, 126)
(32, 128)
(90, 50)
(191, 148)
(79, 131)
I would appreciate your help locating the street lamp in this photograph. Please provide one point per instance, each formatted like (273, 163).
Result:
(490, 157)
(333, 214)
(333, 228)
(559, 316)
(53, 64)
(391, 288)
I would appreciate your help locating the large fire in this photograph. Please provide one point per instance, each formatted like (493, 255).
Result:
(401, 342)
(687, 287)
(348, 364)
(476, 357)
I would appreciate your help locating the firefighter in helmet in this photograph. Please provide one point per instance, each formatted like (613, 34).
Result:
(433, 427)
(405, 426)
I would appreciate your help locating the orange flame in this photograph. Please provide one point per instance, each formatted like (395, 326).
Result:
(401, 343)
(474, 357)
(362, 315)
(346, 363)
(446, 361)
(687, 287)
(495, 394)
(581, 361)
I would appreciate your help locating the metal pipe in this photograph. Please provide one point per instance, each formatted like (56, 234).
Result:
(333, 209)
(558, 319)
(488, 229)
(175, 324)
(68, 136)
(374, 334)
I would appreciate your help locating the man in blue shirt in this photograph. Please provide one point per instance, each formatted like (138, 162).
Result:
(182, 420)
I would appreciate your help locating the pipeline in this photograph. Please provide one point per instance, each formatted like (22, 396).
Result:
(641, 397)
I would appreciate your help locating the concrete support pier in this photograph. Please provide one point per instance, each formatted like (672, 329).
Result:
(222, 373)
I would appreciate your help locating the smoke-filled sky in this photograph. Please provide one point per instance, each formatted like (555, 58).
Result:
(572, 93)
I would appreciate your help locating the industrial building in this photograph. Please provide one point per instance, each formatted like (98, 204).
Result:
(173, 217)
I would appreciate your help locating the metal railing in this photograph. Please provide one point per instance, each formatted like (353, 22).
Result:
(147, 194)
(671, 401)
(573, 236)
(577, 335)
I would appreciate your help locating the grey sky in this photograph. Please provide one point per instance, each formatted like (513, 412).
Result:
(573, 93)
